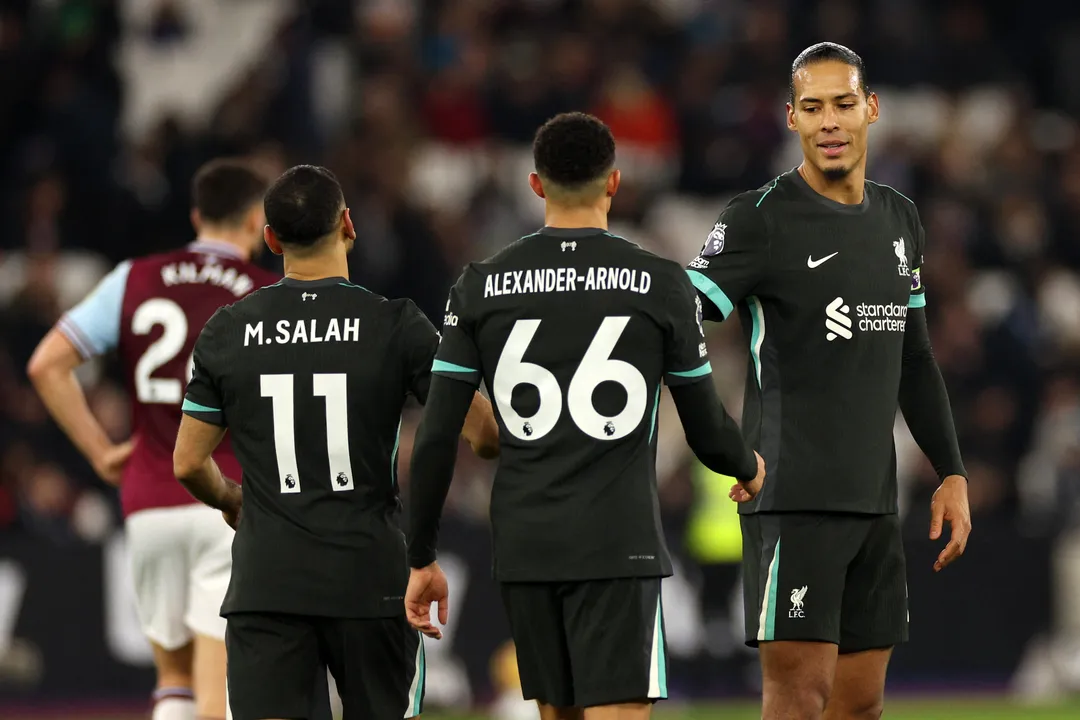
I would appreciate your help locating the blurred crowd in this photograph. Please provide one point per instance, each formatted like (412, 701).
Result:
(425, 108)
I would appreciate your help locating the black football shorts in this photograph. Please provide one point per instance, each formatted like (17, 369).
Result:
(378, 665)
(589, 643)
(827, 577)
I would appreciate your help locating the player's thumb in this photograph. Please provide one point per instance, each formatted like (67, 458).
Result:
(444, 610)
(124, 450)
(937, 519)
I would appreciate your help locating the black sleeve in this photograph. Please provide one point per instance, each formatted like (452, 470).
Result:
(432, 469)
(925, 401)
(734, 260)
(686, 359)
(419, 341)
(203, 399)
(711, 433)
(458, 357)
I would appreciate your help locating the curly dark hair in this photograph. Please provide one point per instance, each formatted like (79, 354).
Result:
(573, 150)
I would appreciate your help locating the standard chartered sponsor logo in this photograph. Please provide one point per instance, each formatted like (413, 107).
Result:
(890, 317)
(837, 320)
(871, 317)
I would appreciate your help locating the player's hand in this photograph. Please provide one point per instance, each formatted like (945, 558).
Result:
(110, 465)
(233, 506)
(950, 503)
(427, 585)
(745, 492)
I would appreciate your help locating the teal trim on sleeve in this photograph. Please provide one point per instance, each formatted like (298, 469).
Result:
(696, 372)
(712, 291)
(917, 301)
(443, 366)
(190, 406)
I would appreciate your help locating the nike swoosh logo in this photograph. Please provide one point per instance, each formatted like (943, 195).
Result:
(812, 263)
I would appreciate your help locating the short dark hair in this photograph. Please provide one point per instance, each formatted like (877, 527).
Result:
(822, 52)
(223, 190)
(573, 149)
(304, 205)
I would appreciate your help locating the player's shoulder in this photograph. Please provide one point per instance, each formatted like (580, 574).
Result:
(632, 254)
(757, 201)
(892, 199)
(748, 210)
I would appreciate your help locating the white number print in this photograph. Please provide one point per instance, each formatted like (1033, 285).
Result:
(511, 372)
(596, 367)
(171, 317)
(331, 386)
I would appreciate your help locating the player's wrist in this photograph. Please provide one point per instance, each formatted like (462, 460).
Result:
(421, 561)
(231, 496)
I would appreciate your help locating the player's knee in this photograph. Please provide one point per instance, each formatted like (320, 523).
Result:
(863, 707)
(802, 697)
(174, 667)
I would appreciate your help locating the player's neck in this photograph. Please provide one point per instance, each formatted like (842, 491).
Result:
(848, 190)
(575, 217)
(317, 267)
(240, 241)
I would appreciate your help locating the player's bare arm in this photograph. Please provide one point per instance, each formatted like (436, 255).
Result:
(432, 470)
(480, 430)
(196, 470)
(925, 404)
(52, 371)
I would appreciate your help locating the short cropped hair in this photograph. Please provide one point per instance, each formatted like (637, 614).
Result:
(223, 190)
(304, 205)
(573, 150)
(822, 52)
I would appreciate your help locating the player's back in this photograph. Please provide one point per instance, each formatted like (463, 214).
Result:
(312, 378)
(163, 301)
(572, 329)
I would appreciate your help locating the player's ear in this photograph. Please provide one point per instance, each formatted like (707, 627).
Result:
(613, 182)
(196, 219)
(271, 239)
(791, 118)
(347, 224)
(872, 108)
(537, 186)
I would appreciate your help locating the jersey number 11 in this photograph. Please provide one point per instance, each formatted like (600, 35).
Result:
(332, 386)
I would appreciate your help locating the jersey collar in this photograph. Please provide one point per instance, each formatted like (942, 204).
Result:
(572, 232)
(210, 246)
(321, 282)
(831, 204)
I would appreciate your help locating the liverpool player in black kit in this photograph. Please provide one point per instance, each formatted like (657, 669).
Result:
(824, 268)
(573, 329)
(310, 376)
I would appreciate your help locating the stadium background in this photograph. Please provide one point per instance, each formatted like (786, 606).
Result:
(424, 109)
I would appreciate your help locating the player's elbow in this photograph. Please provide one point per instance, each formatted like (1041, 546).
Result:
(185, 466)
(39, 369)
(53, 357)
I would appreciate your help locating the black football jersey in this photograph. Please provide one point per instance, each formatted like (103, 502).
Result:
(823, 291)
(574, 331)
(310, 378)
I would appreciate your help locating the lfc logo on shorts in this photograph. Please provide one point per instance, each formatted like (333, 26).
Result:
(797, 595)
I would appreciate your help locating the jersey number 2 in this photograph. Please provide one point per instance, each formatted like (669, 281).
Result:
(596, 367)
(171, 317)
(333, 387)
